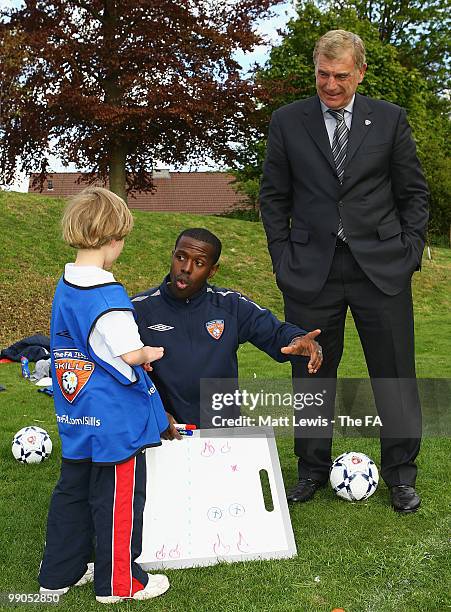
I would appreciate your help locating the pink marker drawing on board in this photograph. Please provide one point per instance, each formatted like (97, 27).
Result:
(242, 545)
(174, 553)
(208, 449)
(219, 548)
(160, 554)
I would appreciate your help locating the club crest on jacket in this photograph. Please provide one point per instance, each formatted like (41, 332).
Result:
(215, 328)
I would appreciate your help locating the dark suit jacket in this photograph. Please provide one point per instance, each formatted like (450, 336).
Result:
(383, 200)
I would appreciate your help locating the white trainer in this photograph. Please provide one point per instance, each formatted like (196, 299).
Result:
(157, 585)
(88, 576)
(62, 591)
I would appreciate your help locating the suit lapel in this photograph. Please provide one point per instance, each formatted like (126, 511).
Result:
(315, 126)
(360, 127)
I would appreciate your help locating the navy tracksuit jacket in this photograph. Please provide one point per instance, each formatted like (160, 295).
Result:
(201, 336)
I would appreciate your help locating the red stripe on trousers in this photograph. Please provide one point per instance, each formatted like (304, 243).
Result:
(122, 528)
(136, 586)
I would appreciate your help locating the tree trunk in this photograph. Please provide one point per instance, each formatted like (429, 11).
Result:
(116, 174)
(113, 96)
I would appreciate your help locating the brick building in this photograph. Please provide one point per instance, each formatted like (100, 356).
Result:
(205, 193)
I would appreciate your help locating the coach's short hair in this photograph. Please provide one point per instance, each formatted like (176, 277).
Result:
(203, 235)
(335, 42)
(94, 217)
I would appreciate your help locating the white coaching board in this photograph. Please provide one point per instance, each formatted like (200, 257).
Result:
(205, 501)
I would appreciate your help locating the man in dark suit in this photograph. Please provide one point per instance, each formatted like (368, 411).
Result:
(345, 205)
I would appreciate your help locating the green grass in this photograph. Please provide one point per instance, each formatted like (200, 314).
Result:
(367, 558)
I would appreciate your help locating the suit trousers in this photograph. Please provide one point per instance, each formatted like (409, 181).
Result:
(386, 330)
(97, 510)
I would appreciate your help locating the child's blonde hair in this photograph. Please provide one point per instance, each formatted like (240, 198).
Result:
(94, 217)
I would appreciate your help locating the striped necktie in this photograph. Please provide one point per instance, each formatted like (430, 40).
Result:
(339, 146)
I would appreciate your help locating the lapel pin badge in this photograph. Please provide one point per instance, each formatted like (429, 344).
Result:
(367, 122)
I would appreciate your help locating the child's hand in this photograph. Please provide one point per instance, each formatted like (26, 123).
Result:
(152, 353)
(144, 356)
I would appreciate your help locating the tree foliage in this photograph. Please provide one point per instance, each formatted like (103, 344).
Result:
(419, 29)
(289, 75)
(117, 85)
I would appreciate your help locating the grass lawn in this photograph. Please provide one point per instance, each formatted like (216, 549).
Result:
(360, 557)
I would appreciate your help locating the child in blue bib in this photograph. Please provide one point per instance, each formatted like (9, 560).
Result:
(108, 412)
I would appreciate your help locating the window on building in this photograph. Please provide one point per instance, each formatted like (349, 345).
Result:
(49, 185)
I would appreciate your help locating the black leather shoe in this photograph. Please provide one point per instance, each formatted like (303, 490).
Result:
(304, 490)
(404, 499)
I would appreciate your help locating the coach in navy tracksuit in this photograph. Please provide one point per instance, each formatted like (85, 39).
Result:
(201, 327)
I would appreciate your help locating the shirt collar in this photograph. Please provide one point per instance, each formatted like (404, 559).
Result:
(87, 276)
(348, 108)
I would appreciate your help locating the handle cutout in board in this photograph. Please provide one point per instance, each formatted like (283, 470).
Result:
(266, 490)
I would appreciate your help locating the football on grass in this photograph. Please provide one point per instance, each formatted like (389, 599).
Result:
(354, 476)
(31, 445)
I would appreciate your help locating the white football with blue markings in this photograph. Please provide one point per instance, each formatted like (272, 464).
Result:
(354, 476)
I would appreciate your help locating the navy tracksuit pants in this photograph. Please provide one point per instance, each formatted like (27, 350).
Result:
(97, 509)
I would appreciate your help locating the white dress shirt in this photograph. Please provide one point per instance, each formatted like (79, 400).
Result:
(330, 120)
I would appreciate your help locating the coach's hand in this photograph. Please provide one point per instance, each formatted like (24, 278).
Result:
(308, 347)
(171, 433)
